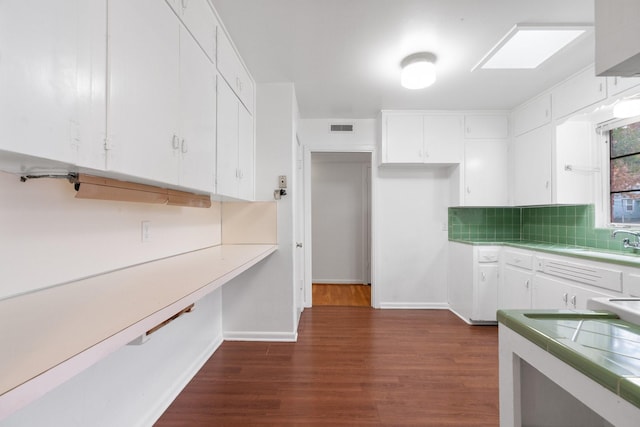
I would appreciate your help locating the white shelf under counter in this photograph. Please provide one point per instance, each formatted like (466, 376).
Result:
(50, 335)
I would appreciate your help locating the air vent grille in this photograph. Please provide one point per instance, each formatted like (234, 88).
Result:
(341, 128)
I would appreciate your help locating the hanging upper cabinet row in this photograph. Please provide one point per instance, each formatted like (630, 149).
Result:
(142, 107)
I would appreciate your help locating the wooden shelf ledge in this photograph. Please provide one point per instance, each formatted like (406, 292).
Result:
(50, 335)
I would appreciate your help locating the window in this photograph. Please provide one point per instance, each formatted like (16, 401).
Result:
(624, 169)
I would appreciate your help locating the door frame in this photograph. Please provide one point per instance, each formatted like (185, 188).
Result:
(308, 261)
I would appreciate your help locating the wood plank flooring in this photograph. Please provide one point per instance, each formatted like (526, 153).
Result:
(351, 366)
(341, 294)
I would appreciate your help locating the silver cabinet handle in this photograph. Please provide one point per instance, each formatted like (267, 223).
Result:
(484, 276)
(526, 284)
(565, 297)
(573, 301)
(184, 148)
(185, 4)
(298, 245)
(175, 142)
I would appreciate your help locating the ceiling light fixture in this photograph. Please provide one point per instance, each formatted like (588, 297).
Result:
(418, 70)
(627, 108)
(528, 46)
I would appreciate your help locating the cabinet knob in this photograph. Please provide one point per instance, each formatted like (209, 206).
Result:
(175, 142)
(185, 4)
(573, 301)
(484, 276)
(526, 283)
(546, 185)
(184, 148)
(468, 190)
(565, 297)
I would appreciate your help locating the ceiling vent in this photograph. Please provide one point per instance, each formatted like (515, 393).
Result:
(341, 128)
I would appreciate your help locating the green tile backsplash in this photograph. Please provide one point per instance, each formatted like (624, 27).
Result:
(565, 225)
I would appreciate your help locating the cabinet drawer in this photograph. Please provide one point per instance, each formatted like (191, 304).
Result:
(631, 284)
(519, 259)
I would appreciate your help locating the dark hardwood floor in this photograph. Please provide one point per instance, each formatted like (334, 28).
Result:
(341, 294)
(351, 366)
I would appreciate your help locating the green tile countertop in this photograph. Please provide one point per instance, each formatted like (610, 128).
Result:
(597, 343)
(593, 254)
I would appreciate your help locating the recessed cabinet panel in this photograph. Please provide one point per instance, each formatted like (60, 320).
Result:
(404, 138)
(578, 92)
(52, 65)
(144, 90)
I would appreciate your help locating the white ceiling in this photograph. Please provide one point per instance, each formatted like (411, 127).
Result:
(343, 55)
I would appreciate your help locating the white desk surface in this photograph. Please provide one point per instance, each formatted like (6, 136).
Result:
(41, 330)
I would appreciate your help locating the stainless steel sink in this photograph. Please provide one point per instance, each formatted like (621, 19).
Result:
(626, 308)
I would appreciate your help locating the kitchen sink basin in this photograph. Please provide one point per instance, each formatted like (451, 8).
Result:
(626, 308)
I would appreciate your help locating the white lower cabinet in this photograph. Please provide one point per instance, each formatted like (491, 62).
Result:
(514, 291)
(52, 80)
(554, 293)
(235, 146)
(473, 281)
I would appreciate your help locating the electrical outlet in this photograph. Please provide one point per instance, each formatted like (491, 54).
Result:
(282, 181)
(145, 231)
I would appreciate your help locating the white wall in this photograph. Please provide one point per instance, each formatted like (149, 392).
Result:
(260, 305)
(47, 237)
(340, 205)
(409, 216)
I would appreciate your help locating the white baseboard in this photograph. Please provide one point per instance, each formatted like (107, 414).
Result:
(460, 316)
(339, 281)
(415, 305)
(261, 336)
(181, 382)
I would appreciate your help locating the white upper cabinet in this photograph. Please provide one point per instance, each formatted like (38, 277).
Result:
(532, 115)
(617, 34)
(52, 79)
(231, 68)
(485, 172)
(617, 85)
(531, 155)
(414, 137)
(199, 19)
(235, 146)
(580, 91)
(486, 126)
(161, 123)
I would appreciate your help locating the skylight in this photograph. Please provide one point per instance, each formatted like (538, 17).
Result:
(528, 46)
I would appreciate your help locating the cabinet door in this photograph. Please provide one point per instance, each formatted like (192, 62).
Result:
(574, 147)
(514, 290)
(443, 139)
(579, 91)
(485, 173)
(578, 297)
(549, 293)
(403, 139)
(227, 141)
(486, 126)
(201, 23)
(531, 161)
(532, 115)
(245, 154)
(197, 116)
(52, 57)
(486, 293)
(144, 90)
(233, 71)
(617, 85)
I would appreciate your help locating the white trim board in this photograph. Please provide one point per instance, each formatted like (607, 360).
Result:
(415, 305)
(260, 336)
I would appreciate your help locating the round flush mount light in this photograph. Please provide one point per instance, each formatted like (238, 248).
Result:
(418, 70)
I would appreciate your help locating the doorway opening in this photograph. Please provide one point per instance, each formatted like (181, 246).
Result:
(340, 223)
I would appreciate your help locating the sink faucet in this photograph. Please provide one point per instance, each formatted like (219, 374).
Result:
(626, 243)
